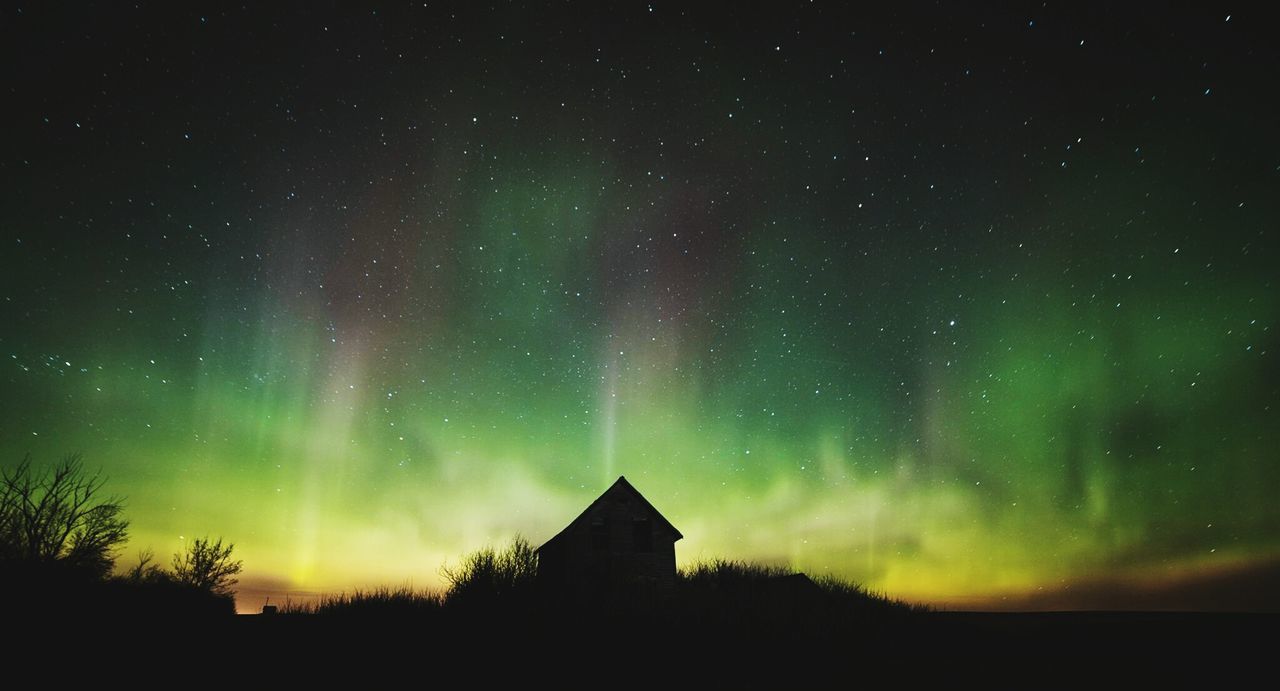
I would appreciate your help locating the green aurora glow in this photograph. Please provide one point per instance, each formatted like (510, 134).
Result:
(955, 346)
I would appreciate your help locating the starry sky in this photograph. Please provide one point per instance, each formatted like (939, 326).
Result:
(975, 306)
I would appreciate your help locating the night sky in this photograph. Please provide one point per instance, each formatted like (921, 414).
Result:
(972, 306)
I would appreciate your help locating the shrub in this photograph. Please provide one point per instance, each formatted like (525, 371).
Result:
(207, 566)
(487, 575)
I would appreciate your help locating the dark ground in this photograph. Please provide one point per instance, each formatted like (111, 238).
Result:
(1024, 650)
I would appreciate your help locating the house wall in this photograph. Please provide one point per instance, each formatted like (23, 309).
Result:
(598, 551)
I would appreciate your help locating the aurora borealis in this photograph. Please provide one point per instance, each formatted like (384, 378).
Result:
(961, 304)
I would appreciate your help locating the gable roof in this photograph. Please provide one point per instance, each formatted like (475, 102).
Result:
(623, 486)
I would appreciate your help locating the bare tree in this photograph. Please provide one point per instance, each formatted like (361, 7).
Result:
(59, 516)
(208, 566)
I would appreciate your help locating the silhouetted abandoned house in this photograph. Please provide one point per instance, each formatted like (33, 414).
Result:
(620, 545)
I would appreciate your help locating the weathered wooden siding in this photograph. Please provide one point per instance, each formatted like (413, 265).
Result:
(604, 549)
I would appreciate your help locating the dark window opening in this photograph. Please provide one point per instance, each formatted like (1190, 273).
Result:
(642, 535)
(600, 534)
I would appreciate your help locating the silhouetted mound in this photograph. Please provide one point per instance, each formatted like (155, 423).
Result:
(763, 601)
(716, 606)
(723, 619)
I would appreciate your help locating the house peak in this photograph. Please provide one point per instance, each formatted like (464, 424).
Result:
(619, 543)
(621, 485)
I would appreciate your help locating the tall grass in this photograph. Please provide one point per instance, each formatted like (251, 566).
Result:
(485, 579)
(840, 588)
(401, 600)
(728, 573)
